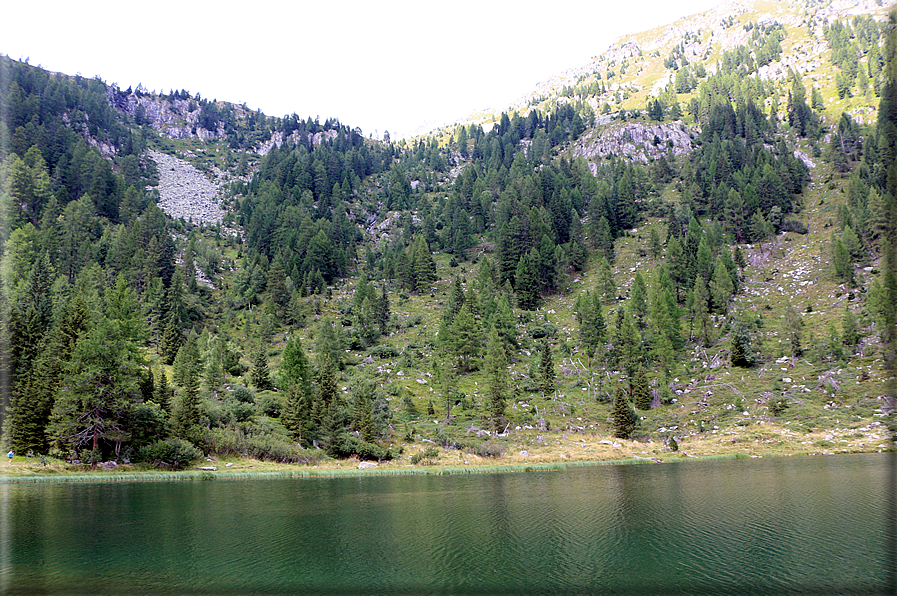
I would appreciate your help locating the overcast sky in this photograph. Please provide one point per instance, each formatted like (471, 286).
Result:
(377, 65)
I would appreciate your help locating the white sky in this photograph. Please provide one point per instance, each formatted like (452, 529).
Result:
(379, 65)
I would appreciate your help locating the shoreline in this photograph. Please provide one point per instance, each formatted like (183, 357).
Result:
(104, 476)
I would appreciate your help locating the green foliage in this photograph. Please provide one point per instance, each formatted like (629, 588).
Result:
(623, 414)
(173, 452)
(426, 457)
(741, 352)
(641, 394)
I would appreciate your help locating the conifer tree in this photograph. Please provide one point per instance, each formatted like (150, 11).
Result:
(623, 414)
(259, 374)
(701, 312)
(185, 418)
(465, 339)
(503, 321)
(794, 330)
(721, 287)
(161, 391)
(850, 331)
(101, 384)
(641, 394)
(606, 281)
(526, 281)
(741, 353)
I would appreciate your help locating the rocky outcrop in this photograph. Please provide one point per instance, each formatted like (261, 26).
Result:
(638, 141)
(185, 192)
(277, 139)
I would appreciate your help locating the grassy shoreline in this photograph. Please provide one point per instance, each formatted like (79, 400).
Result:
(450, 462)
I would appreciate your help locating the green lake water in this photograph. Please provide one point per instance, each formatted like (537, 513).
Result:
(801, 525)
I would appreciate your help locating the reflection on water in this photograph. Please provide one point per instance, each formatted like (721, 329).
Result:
(784, 525)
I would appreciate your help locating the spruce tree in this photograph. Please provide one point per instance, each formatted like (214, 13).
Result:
(185, 418)
(466, 339)
(701, 312)
(623, 414)
(641, 394)
(721, 287)
(161, 391)
(259, 374)
(741, 353)
(606, 281)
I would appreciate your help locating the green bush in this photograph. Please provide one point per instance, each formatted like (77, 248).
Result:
(270, 403)
(351, 445)
(383, 352)
(243, 394)
(426, 457)
(173, 452)
(486, 448)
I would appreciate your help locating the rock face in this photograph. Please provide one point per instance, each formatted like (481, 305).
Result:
(185, 193)
(172, 117)
(634, 140)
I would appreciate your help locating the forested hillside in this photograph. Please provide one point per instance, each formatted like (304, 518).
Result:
(686, 244)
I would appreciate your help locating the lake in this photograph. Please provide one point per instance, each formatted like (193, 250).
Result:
(791, 525)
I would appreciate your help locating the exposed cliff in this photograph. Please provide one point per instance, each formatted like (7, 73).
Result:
(636, 140)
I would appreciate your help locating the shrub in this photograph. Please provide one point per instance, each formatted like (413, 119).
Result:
(793, 225)
(544, 330)
(383, 352)
(243, 394)
(487, 449)
(426, 457)
(173, 452)
(351, 445)
(270, 403)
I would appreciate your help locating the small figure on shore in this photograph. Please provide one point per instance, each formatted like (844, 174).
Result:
(9, 455)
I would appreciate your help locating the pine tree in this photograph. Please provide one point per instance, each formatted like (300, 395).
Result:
(641, 394)
(171, 340)
(259, 374)
(742, 355)
(424, 265)
(526, 281)
(185, 418)
(721, 287)
(623, 414)
(850, 331)
(701, 312)
(161, 391)
(100, 385)
(466, 339)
